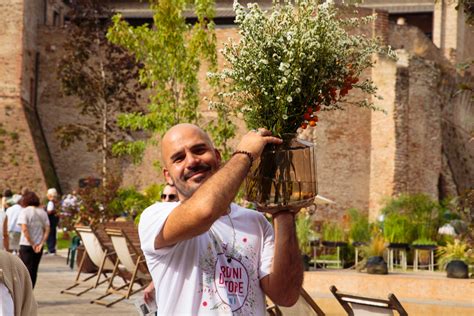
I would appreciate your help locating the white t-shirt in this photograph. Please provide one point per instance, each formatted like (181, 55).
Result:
(196, 277)
(2, 219)
(6, 301)
(36, 220)
(12, 213)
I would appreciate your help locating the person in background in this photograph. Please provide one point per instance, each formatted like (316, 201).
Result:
(34, 232)
(169, 195)
(7, 194)
(52, 208)
(16, 291)
(4, 242)
(14, 231)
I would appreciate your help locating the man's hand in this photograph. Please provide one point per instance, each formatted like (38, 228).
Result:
(37, 248)
(149, 293)
(254, 141)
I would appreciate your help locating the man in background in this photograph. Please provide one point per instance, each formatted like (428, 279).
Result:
(14, 230)
(169, 195)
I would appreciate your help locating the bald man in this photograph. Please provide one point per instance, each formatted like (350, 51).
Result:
(208, 255)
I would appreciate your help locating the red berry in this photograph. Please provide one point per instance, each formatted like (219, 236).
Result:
(307, 116)
(304, 125)
(309, 110)
(312, 123)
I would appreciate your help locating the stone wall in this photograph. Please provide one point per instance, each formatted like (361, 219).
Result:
(457, 109)
(382, 133)
(54, 109)
(20, 164)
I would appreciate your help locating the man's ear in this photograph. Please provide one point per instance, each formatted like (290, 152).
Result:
(167, 176)
(218, 156)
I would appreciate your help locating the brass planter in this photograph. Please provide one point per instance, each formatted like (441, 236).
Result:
(284, 177)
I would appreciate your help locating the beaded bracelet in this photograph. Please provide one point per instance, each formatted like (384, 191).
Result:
(244, 153)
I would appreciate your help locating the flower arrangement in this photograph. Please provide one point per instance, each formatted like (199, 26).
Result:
(295, 61)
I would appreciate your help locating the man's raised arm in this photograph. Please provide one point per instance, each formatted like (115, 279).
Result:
(211, 200)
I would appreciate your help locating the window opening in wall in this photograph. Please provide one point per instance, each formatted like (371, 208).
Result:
(45, 11)
(56, 21)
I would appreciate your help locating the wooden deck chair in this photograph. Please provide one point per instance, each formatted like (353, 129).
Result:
(356, 305)
(99, 255)
(304, 306)
(131, 260)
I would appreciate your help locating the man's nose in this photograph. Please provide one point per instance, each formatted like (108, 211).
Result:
(192, 160)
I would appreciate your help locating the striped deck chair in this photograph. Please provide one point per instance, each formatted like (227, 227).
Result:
(99, 255)
(131, 259)
(304, 306)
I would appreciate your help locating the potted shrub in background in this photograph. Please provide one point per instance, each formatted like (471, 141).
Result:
(455, 258)
(397, 230)
(290, 64)
(359, 230)
(333, 235)
(305, 234)
(373, 254)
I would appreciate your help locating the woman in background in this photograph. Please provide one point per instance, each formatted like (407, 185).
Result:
(34, 232)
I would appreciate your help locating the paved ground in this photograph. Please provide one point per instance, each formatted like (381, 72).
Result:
(54, 275)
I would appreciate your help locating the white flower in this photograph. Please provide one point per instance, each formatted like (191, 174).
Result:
(289, 99)
(264, 61)
(298, 90)
(285, 117)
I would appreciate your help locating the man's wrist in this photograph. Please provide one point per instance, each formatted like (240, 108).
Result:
(244, 153)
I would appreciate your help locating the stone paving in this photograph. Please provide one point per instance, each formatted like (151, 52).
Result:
(54, 275)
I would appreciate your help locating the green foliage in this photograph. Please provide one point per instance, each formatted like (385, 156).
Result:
(397, 228)
(458, 250)
(461, 209)
(304, 232)
(359, 226)
(424, 242)
(417, 215)
(171, 53)
(333, 232)
(294, 58)
(131, 203)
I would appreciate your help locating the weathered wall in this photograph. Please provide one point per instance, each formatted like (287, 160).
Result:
(451, 34)
(20, 165)
(457, 110)
(54, 110)
(382, 133)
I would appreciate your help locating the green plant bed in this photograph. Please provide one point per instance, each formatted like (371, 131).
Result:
(62, 242)
(423, 242)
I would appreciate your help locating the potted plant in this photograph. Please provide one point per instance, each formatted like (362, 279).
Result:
(333, 235)
(290, 64)
(397, 230)
(373, 252)
(455, 257)
(359, 231)
(305, 234)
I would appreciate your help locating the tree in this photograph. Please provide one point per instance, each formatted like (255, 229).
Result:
(171, 52)
(101, 75)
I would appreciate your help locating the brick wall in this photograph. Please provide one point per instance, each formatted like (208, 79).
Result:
(20, 165)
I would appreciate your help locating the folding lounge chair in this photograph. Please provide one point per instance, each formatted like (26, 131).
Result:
(356, 305)
(304, 306)
(132, 261)
(99, 255)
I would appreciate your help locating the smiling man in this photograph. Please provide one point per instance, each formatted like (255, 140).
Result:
(208, 255)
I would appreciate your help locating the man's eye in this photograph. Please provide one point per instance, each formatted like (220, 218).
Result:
(178, 159)
(200, 151)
